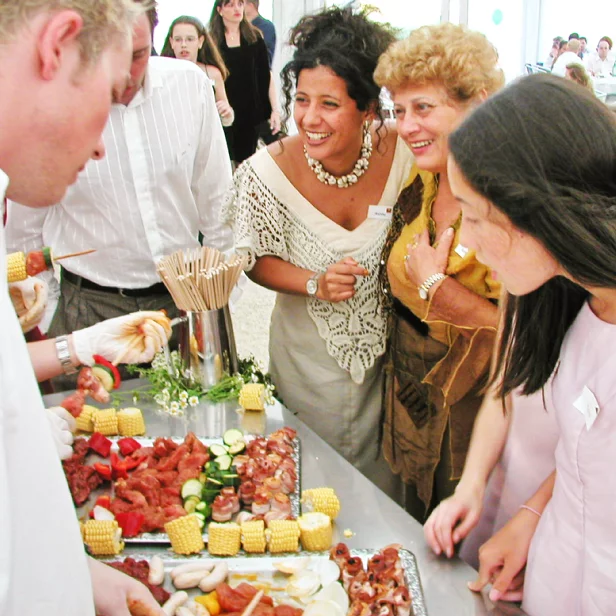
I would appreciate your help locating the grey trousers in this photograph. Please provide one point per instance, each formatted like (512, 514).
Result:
(79, 307)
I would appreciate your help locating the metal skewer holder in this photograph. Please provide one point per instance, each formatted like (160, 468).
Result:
(207, 345)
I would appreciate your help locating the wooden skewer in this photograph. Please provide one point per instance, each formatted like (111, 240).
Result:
(250, 608)
(74, 254)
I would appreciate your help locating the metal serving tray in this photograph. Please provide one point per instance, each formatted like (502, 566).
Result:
(243, 569)
(145, 538)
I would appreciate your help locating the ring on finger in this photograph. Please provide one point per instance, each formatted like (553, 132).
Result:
(406, 257)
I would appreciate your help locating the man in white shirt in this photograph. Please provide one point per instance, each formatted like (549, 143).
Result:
(601, 63)
(570, 56)
(161, 183)
(60, 69)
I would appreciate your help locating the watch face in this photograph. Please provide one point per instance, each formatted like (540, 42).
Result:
(312, 286)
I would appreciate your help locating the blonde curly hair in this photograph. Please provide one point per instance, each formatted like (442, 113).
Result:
(464, 62)
(103, 20)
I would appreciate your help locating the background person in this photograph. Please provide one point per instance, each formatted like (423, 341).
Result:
(161, 184)
(249, 85)
(601, 63)
(60, 70)
(560, 314)
(440, 340)
(188, 39)
(568, 56)
(576, 72)
(554, 51)
(312, 213)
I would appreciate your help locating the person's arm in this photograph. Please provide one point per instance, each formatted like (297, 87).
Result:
(211, 174)
(335, 285)
(457, 515)
(503, 558)
(45, 360)
(225, 110)
(274, 121)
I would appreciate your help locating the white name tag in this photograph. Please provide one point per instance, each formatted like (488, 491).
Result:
(462, 251)
(380, 212)
(587, 405)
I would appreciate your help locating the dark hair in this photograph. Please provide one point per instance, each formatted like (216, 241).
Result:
(583, 38)
(607, 39)
(152, 14)
(574, 35)
(562, 44)
(248, 33)
(345, 41)
(510, 149)
(208, 54)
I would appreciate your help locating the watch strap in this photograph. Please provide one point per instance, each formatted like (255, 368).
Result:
(429, 283)
(63, 353)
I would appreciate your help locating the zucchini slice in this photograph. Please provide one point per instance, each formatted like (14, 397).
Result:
(231, 480)
(199, 517)
(237, 448)
(232, 436)
(218, 450)
(224, 462)
(104, 375)
(191, 503)
(192, 487)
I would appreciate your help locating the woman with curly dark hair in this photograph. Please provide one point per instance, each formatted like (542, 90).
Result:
(311, 213)
(249, 86)
(188, 39)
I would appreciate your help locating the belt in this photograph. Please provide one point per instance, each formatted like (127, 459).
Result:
(156, 289)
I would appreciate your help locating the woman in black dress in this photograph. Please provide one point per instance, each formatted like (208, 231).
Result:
(248, 85)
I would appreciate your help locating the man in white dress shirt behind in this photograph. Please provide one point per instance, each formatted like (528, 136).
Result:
(161, 183)
(60, 69)
(570, 56)
(601, 63)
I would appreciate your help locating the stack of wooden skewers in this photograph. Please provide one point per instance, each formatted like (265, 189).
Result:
(200, 279)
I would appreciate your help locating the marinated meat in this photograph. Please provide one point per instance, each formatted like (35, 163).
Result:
(139, 570)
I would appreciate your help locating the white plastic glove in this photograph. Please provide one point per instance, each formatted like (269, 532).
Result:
(131, 339)
(29, 299)
(62, 425)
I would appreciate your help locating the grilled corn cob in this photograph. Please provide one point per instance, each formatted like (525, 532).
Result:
(283, 536)
(130, 422)
(105, 421)
(185, 535)
(322, 500)
(84, 420)
(316, 531)
(16, 267)
(103, 537)
(252, 397)
(224, 539)
(253, 537)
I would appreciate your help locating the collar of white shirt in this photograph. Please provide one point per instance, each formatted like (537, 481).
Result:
(152, 81)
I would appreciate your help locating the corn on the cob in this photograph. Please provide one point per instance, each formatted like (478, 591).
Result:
(103, 537)
(185, 535)
(283, 536)
(82, 530)
(131, 422)
(105, 421)
(316, 531)
(253, 537)
(84, 421)
(16, 267)
(223, 539)
(252, 397)
(322, 500)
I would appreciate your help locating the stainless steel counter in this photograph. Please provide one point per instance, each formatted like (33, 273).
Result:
(374, 518)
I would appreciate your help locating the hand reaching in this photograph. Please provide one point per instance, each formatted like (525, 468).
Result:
(226, 113)
(131, 339)
(337, 284)
(502, 559)
(423, 260)
(29, 299)
(62, 425)
(117, 594)
(453, 519)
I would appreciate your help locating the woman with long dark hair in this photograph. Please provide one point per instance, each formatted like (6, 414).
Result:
(249, 86)
(547, 224)
(188, 39)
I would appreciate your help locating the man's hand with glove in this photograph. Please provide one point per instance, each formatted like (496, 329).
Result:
(131, 339)
(29, 299)
(62, 425)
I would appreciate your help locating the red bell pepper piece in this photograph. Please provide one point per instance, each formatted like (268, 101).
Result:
(132, 463)
(119, 468)
(100, 444)
(128, 445)
(117, 379)
(130, 522)
(104, 470)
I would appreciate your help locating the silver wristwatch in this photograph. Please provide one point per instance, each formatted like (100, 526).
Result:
(63, 353)
(312, 285)
(428, 283)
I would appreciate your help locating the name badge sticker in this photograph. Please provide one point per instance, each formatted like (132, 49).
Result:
(380, 212)
(462, 251)
(589, 407)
